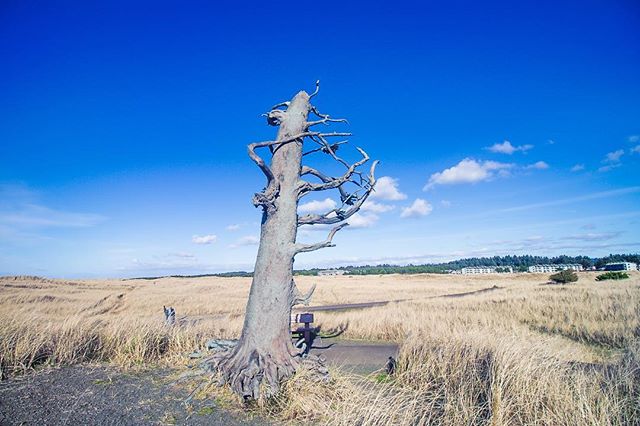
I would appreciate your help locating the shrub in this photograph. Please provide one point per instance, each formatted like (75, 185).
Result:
(563, 277)
(612, 275)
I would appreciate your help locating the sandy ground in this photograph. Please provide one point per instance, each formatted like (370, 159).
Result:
(101, 395)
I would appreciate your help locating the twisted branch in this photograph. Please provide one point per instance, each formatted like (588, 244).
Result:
(332, 183)
(316, 91)
(302, 299)
(306, 170)
(334, 148)
(337, 215)
(302, 248)
(266, 198)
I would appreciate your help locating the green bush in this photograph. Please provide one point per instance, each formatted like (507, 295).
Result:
(563, 277)
(612, 275)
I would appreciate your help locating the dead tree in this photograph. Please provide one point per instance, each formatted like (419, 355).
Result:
(265, 355)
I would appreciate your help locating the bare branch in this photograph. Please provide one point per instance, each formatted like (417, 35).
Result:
(260, 162)
(334, 147)
(339, 216)
(275, 117)
(330, 135)
(266, 198)
(281, 104)
(306, 170)
(302, 299)
(331, 183)
(317, 89)
(326, 120)
(302, 248)
(321, 140)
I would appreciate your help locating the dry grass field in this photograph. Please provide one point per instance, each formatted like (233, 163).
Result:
(524, 353)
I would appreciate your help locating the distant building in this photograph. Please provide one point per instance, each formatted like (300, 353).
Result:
(485, 269)
(547, 269)
(331, 272)
(620, 266)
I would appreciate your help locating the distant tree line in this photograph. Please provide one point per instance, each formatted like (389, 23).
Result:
(518, 263)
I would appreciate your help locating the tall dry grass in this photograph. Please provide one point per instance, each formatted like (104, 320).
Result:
(525, 353)
(472, 380)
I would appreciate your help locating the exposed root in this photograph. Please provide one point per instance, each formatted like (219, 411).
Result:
(252, 374)
(255, 374)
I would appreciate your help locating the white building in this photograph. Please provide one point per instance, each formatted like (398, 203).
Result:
(485, 269)
(547, 269)
(620, 266)
(331, 272)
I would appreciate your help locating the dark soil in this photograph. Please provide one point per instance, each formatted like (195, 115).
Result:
(100, 395)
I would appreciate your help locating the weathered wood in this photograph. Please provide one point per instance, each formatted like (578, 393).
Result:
(264, 355)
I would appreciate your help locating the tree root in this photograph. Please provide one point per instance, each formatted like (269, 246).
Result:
(257, 374)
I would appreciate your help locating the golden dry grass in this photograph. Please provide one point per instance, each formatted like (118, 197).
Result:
(526, 353)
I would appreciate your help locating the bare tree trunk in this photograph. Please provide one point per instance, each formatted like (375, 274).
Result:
(265, 347)
(265, 355)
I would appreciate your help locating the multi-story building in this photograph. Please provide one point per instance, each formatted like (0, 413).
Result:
(621, 266)
(331, 272)
(547, 269)
(485, 269)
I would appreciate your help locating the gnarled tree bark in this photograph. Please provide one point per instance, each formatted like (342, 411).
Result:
(265, 355)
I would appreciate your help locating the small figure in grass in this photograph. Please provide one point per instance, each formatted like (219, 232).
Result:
(169, 315)
(390, 366)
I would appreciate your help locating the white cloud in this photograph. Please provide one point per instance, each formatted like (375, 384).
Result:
(592, 236)
(182, 255)
(372, 206)
(614, 156)
(635, 149)
(445, 203)
(204, 239)
(248, 240)
(577, 168)
(506, 148)
(419, 208)
(539, 165)
(634, 138)
(233, 227)
(167, 262)
(317, 206)
(20, 210)
(36, 216)
(467, 171)
(612, 160)
(587, 197)
(362, 220)
(387, 189)
(609, 167)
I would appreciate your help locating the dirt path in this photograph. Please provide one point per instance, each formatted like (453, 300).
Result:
(98, 395)
(363, 305)
(357, 356)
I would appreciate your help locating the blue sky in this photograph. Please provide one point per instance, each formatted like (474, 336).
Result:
(502, 128)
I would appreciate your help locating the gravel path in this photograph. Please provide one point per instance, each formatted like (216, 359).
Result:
(98, 395)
